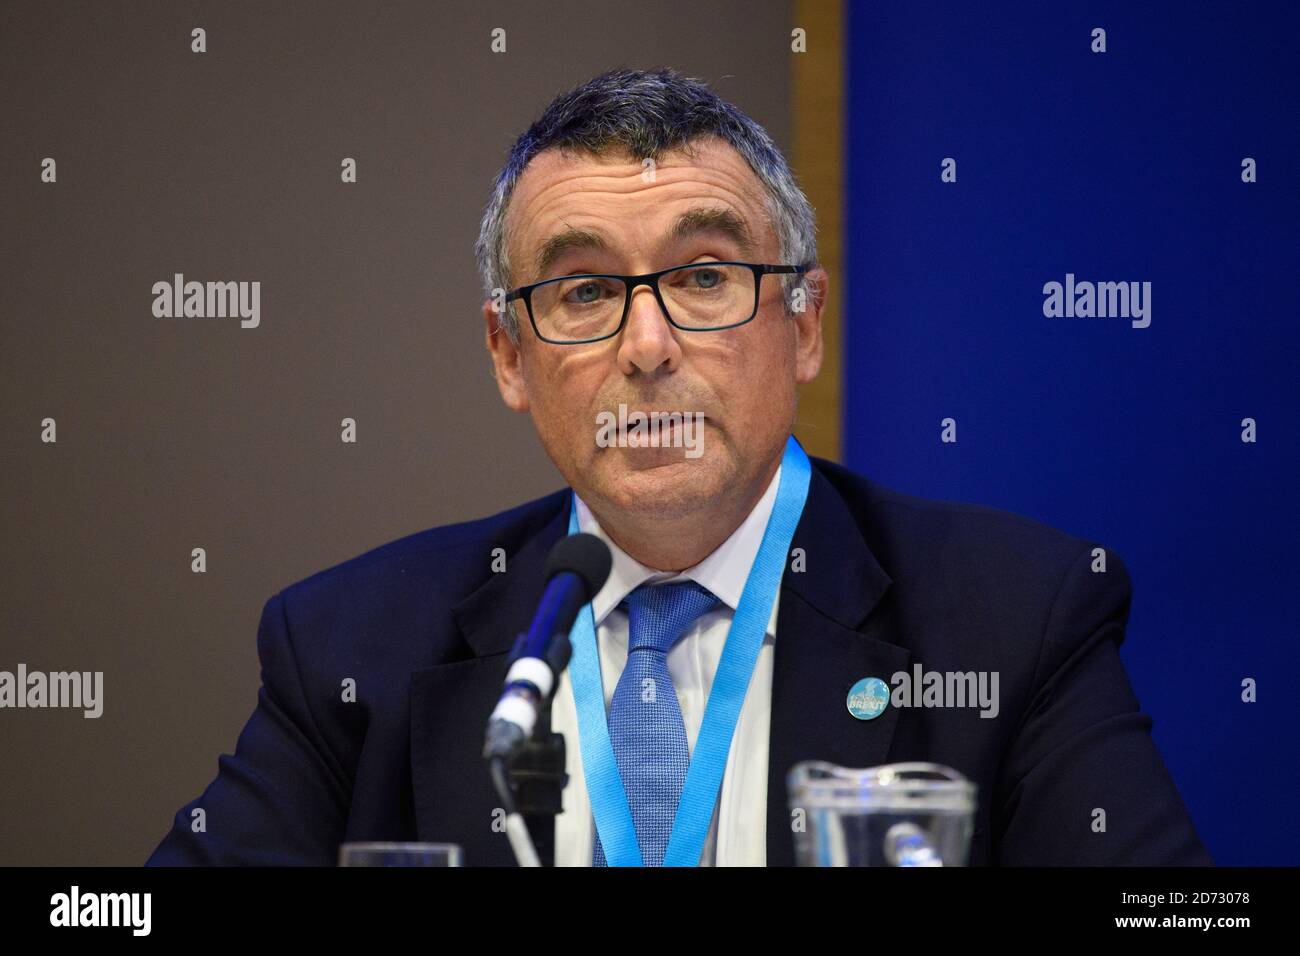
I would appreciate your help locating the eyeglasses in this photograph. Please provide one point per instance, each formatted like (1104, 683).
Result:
(701, 297)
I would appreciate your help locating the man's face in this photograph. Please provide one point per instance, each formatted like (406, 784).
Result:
(742, 380)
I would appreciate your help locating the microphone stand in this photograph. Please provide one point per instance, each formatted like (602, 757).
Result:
(538, 779)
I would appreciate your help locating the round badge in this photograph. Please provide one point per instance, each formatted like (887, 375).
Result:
(868, 698)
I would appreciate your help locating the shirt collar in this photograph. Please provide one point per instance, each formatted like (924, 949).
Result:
(723, 572)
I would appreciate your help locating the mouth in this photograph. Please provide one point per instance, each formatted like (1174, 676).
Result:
(661, 432)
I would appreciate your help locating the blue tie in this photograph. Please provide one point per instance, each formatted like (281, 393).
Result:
(645, 718)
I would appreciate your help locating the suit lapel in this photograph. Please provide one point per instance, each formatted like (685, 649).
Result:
(451, 703)
(454, 797)
(826, 640)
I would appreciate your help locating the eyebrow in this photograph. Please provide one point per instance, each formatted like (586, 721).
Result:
(702, 219)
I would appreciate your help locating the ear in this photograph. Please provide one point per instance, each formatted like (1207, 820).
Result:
(507, 360)
(808, 327)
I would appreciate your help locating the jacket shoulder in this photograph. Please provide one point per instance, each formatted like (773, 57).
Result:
(455, 548)
(406, 587)
(916, 536)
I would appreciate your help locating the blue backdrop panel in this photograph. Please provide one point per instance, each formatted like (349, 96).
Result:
(1117, 166)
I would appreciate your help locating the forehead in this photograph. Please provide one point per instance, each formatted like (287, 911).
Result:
(611, 194)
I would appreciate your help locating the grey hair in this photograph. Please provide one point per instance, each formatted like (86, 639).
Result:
(647, 113)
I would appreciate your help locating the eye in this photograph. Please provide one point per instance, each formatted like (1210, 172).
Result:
(703, 277)
(585, 291)
(706, 278)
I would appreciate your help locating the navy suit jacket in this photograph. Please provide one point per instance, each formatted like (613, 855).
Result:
(424, 626)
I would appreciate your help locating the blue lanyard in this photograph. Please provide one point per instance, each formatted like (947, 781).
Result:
(609, 803)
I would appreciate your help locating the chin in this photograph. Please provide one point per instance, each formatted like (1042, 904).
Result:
(669, 488)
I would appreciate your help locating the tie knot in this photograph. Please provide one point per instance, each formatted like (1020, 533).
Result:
(659, 614)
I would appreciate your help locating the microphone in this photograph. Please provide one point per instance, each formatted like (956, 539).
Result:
(576, 570)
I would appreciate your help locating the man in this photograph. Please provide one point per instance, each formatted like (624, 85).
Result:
(661, 267)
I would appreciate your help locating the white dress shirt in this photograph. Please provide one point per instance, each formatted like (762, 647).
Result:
(738, 834)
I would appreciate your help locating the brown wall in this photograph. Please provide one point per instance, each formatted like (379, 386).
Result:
(183, 433)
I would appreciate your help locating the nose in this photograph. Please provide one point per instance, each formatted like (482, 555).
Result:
(647, 343)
